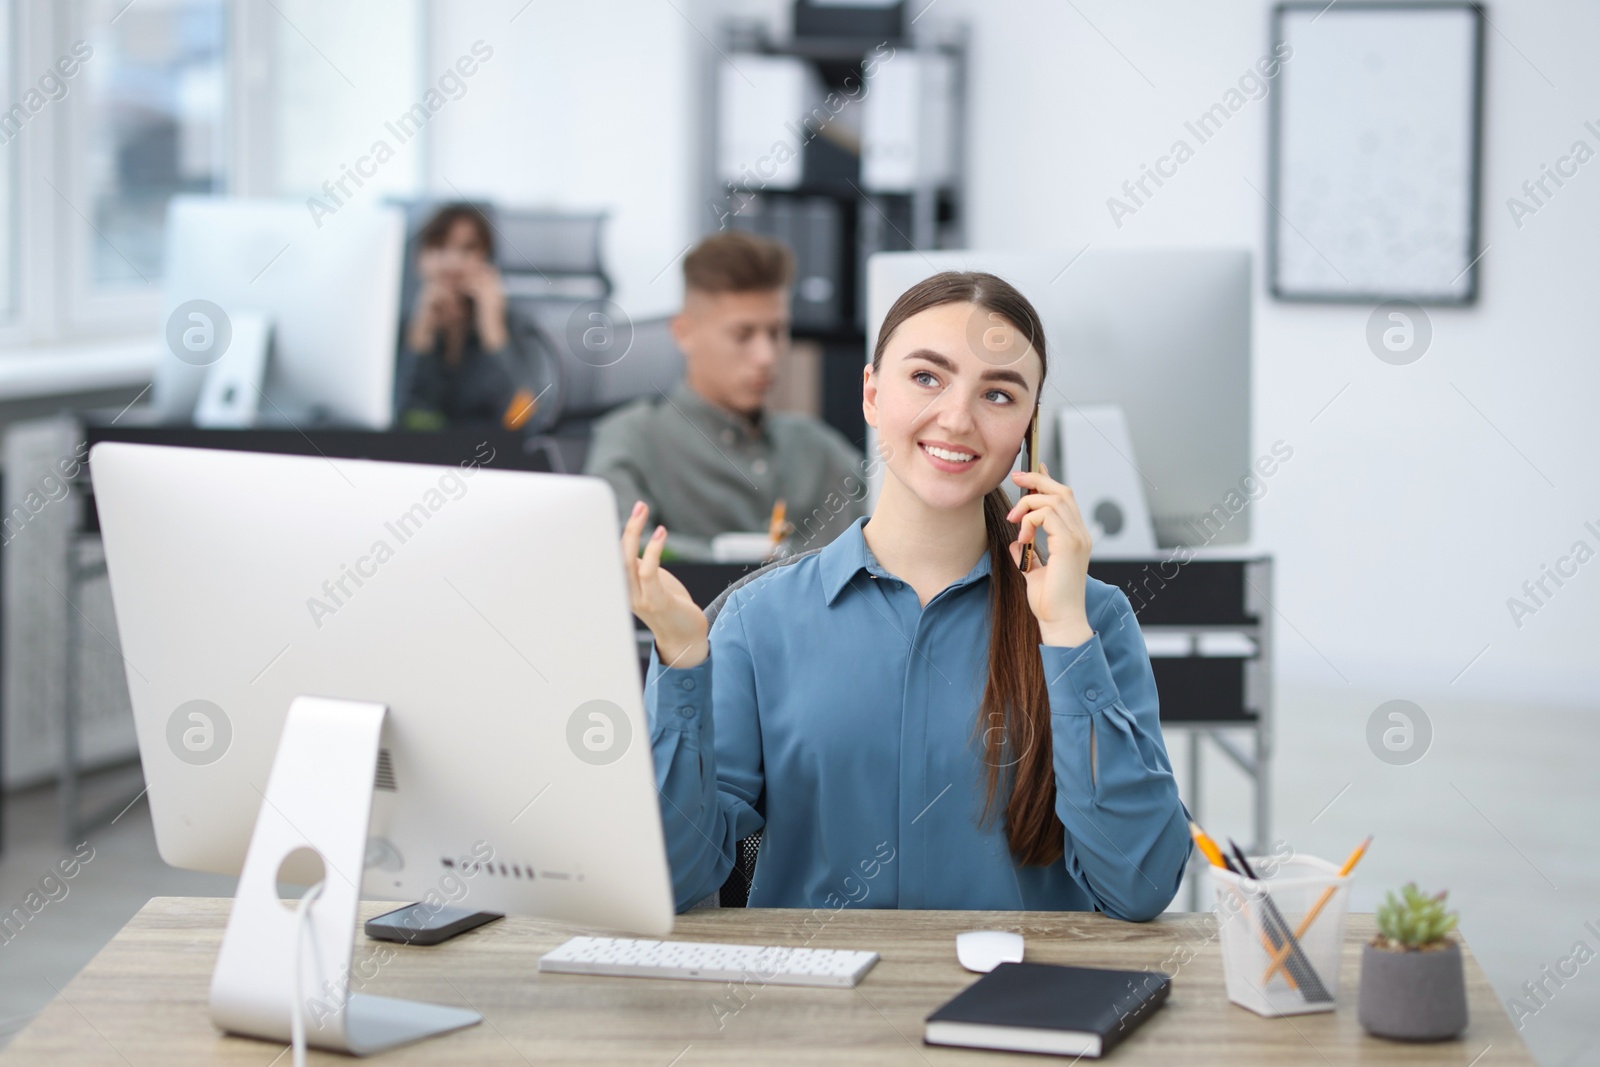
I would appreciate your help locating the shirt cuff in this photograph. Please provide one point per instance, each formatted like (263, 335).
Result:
(683, 694)
(1079, 678)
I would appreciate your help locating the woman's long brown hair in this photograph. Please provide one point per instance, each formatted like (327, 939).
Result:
(1013, 724)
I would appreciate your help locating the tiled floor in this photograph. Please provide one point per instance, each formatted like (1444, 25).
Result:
(123, 872)
(1502, 810)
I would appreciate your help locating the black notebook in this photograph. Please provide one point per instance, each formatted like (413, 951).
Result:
(1042, 1007)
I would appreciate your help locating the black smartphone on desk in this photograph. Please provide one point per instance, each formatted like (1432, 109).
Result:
(418, 924)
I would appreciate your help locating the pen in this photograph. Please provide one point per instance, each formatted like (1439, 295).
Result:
(1311, 916)
(1299, 965)
(1244, 862)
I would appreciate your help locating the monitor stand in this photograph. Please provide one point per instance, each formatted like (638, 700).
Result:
(318, 797)
(230, 394)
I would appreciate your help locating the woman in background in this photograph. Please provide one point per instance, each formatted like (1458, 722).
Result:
(461, 356)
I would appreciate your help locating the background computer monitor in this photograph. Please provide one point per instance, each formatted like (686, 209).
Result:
(1163, 333)
(329, 287)
(493, 623)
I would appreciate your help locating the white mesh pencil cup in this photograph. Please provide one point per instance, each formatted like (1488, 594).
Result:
(1255, 920)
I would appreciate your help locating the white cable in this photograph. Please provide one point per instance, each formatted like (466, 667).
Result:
(297, 1021)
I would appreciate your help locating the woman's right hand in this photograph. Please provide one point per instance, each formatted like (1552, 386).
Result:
(431, 311)
(659, 599)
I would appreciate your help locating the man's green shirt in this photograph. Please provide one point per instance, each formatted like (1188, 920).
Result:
(706, 471)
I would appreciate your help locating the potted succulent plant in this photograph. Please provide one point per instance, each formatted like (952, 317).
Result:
(1412, 984)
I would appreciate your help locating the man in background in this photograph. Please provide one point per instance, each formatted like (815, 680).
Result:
(708, 458)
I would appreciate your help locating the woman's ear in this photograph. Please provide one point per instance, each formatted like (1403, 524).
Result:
(869, 396)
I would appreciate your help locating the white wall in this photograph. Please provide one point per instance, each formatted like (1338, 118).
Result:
(583, 105)
(1406, 517)
(326, 123)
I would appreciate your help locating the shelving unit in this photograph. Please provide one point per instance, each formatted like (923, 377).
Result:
(831, 217)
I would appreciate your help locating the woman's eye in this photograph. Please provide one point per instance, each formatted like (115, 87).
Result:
(999, 396)
(923, 377)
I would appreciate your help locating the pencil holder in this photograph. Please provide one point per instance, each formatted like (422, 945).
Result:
(1282, 937)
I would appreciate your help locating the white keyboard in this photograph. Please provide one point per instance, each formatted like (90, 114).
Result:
(771, 964)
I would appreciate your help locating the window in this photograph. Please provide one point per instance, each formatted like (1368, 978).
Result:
(8, 169)
(168, 97)
(153, 126)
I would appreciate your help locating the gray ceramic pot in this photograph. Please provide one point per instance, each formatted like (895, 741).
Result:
(1413, 996)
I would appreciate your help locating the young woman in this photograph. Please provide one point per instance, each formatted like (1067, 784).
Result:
(464, 353)
(910, 719)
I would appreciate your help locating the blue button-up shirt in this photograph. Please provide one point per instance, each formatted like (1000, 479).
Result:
(835, 713)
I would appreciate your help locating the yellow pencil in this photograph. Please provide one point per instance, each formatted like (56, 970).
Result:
(1311, 916)
(777, 526)
(1208, 848)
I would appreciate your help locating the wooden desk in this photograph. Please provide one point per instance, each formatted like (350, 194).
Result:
(142, 1000)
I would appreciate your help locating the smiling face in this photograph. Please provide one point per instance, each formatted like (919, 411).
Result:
(951, 399)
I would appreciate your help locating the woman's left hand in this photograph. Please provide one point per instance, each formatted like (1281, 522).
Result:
(1056, 590)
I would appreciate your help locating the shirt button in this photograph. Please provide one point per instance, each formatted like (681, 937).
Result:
(1091, 693)
(727, 437)
(687, 711)
(759, 466)
(687, 683)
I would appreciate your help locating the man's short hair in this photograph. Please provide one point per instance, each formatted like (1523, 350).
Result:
(736, 261)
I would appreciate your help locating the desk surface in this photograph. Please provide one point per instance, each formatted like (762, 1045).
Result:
(142, 1000)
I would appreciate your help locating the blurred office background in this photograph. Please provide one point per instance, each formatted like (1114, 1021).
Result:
(1421, 499)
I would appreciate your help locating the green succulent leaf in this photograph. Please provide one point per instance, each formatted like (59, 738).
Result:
(1413, 918)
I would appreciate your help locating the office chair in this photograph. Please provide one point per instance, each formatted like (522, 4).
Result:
(735, 891)
(590, 387)
(550, 255)
(540, 254)
(595, 384)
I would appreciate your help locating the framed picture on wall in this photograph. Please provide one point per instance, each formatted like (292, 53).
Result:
(1374, 156)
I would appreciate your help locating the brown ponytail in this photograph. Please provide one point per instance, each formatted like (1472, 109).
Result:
(1013, 723)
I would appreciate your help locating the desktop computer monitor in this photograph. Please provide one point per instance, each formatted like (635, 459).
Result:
(1163, 334)
(318, 299)
(486, 610)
